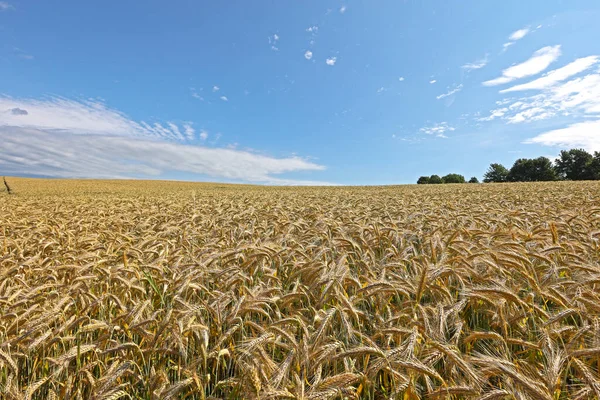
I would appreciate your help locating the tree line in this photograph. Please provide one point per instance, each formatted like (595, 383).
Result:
(450, 178)
(573, 165)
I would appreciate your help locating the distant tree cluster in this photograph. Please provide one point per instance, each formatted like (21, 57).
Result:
(450, 178)
(574, 165)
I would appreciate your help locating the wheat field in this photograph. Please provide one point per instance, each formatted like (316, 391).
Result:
(166, 290)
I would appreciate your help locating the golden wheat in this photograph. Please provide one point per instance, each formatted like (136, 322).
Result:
(156, 290)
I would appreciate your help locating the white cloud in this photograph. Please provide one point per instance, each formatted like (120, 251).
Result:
(343, 9)
(579, 96)
(557, 75)
(530, 115)
(559, 94)
(4, 6)
(478, 64)
(189, 131)
(539, 61)
(224, 98)
(401, 79)
(313, 30)
(273, 42)
(195, 94)
(437, 129)
(216, 88)
(331, 61)
(65, 138)
(308, 55)
(583, 134)
(450, 92)
(582, 93)
(203, 135)
(432, 81)
(497, 113)
(518, 35)
(80, 117)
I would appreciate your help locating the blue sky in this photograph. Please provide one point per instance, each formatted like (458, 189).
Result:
(294, 92)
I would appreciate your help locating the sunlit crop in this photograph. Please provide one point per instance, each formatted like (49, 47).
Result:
(163, 290)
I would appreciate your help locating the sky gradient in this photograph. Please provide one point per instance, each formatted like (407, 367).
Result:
(302, 92)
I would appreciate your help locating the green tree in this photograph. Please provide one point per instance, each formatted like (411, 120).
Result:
(474, 180)
(453, 178)
(532, 170)
(435, 179)
(423, 180)
(595, 166)
(495, 173)
(575, 165)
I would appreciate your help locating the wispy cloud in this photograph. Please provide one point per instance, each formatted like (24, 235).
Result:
(559, 94)
(331, 61)
(538, 62)
(224, 98)
(216, 88)
(478, 64)
(189, 131)
(494, 114)
(515, 36)
(437, 129)
(65, 138)
(273, 39)
(381, 90)
(79, 117)
(401, 79)
(577, 97)
(432, 81)
(343, 9)
(582, 134)
(4, 6)
(61, 154)
(195, 94)
(557, 75)
(313, 30)
(308, 55)
(519, 34)
(22, 54)
(450, 92)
